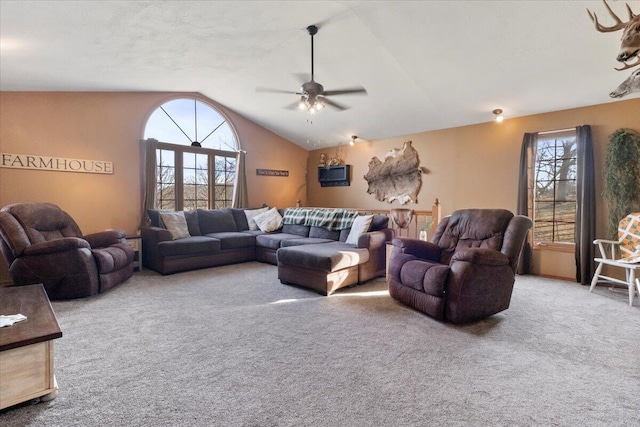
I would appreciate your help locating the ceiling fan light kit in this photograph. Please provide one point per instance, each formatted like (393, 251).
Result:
(313, 97)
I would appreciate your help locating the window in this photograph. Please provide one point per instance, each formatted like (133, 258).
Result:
(195, 158)
(554, 198)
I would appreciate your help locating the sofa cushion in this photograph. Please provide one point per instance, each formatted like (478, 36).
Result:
(216, 221)
(323, 233)
(192, 222)
(273, 241)
(240, 219)
(189, 246)
(304, 241)
(234, 239)
(299, 230)
(379, 222)
(325, 256)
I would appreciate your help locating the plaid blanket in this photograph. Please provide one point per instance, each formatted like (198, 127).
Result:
(297, 216)
(331, 219)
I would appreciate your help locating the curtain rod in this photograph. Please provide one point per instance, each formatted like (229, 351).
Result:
(555, 131)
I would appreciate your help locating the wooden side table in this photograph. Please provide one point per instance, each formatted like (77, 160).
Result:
(26, 347)
(135, 243)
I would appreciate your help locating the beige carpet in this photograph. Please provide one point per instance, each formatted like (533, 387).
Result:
(231, 346)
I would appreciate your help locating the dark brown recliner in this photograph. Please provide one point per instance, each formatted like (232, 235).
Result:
(466, 272)
(43, 244)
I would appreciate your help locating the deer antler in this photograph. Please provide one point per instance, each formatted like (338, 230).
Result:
(627, 66)
(619, 24)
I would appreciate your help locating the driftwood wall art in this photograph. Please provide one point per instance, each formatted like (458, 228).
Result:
(399, 177)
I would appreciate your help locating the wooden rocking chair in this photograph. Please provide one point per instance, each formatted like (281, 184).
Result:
(623, 253)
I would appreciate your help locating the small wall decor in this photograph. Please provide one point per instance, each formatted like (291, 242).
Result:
(271, 172)
(336, 159)
(399, 177)
(323, 160)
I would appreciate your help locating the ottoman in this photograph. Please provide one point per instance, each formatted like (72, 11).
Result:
(323, 267)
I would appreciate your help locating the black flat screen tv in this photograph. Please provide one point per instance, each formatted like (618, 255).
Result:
(335, 176)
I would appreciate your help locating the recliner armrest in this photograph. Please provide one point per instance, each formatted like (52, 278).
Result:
(103, 239)
(55, 246)
(481, 256)
(418, 248)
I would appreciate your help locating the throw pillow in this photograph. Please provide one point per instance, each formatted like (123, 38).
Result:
(251, 214)
(176, 223)
(154, 217)
(360, 225)
(269, 221)
(216, 221)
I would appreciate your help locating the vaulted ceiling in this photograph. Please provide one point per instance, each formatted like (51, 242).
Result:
(426, 65)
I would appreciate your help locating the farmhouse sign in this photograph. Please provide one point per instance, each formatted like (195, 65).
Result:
(60, 164)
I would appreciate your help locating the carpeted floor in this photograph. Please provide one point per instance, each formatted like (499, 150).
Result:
(231, 346)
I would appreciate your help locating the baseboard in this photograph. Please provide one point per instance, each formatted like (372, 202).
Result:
(551, 276)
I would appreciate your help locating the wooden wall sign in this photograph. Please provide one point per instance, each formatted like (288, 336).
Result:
(60, 164)
(271, 172)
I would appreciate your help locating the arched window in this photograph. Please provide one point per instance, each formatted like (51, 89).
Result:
(196, 156)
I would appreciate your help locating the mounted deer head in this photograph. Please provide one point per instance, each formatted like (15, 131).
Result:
(630, 45)
(631, 84)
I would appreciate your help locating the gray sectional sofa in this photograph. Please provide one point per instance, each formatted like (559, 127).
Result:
(311, 256)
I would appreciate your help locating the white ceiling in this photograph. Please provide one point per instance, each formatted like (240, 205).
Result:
(426, 65)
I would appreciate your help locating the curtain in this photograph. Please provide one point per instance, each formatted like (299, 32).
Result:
(526, 183)
(240, 196)
(586, 206)
(148, 178)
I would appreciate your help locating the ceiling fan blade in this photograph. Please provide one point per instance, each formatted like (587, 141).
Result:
(333, 104)
(352, 90)
(269, 90)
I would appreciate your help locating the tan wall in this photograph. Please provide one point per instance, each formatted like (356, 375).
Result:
(108, 126)
(477, 166)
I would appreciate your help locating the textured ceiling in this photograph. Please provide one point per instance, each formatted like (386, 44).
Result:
(426, 65)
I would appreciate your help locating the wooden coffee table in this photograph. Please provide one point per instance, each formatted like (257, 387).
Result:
(26, 348)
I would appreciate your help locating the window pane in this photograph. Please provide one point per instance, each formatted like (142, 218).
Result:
(189, 160)
(555, 190)
(189, 176)
(182, 121)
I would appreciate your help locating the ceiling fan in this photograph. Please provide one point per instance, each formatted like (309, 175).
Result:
(312, 95)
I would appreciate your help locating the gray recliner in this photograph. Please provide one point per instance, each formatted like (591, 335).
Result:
(43, 244)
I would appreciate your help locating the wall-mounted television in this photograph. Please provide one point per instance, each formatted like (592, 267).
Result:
(335, 176)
